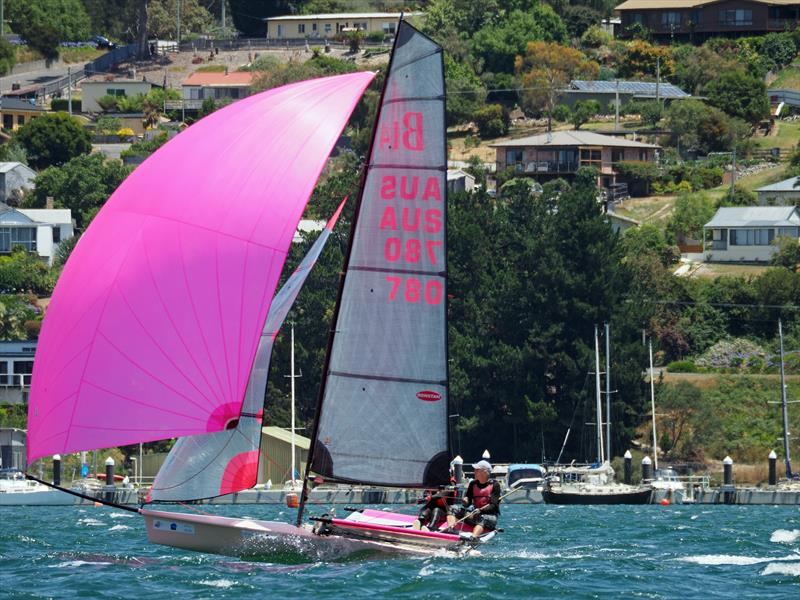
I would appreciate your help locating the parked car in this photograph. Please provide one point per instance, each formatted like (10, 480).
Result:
(101, 41)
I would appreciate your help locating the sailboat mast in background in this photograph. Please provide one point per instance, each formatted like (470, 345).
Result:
(653, 407)
(600, 453)
(785, 409)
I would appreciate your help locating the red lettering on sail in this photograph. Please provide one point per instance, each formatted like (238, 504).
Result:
(389, 219)
(413, 135)
(429, 396)
(409, 192)
(408, 225)
(432, 190)
(388, 185)
(433, 220)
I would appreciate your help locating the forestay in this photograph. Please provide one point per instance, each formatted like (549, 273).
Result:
(225, 462)
(383, 414)
(155, 321)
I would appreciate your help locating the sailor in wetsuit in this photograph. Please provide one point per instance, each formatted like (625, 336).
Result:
(437, 507)
(483, 494)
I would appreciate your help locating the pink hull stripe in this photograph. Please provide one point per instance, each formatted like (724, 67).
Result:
(345, 524)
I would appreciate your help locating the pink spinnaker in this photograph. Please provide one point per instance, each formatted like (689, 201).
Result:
(154, 323)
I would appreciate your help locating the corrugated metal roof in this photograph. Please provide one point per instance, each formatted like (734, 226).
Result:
(7, 103)
(573, 138)
(755, 216)
(52, 216)
(645, 89)
(787, 185)
(219, 79)
(667, 4)
(286, 436)
(5, 167)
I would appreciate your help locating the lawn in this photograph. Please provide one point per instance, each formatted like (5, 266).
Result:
(787, 133)
(787, 79)
(652, 209)
(713, 270)
(68, 54)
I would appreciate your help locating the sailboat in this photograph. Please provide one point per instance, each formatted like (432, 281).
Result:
(154, 328)
(594, 484)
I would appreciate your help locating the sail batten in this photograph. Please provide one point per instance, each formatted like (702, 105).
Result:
(182, 261)
(382, 418)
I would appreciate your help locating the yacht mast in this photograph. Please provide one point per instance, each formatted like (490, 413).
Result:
(785, 410)
(292, 477)
(600, 454)
(608, 394)
(653, 408)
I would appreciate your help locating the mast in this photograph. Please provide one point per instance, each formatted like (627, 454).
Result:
(653, 408)
(600, 456)
(292, 477)
(785, 410)
(342, 276)
(608, 394)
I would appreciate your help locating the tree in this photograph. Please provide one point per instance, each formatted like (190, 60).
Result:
(492, 120)
(162, 18)
(697, 126)
(465, 92)
(8, 56)
(788, 254)
(24, 272)
(639, 59)
(739, 95)
(547, 68)
(44, 24)
(578, 19)
(647, 239)
(692, 211)
(740, 197)
(248, 15)
(583, 112)
(694, 64)
(679, 402)
(54, 139)
(83, 185)
(497, 45)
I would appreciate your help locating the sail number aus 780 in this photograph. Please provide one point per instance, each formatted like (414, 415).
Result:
(413, 290)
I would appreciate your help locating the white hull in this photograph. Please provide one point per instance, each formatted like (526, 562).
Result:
(252, 538)
(44, 497)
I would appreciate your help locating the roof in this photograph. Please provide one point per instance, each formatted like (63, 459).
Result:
(7, 103)
(644, 89)
(573, 138)
(232, 79)
(307, 226)
(112, 81)
(616, 216)
(453, 174)
(51, 216)
(333, 16)
(284, 435)
(5, 167)
(787, 185)
(667, 4)
(755, 216)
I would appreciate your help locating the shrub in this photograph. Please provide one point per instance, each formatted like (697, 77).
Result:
(730, 354)
(62, 105)
(682, 366)
(492, 120)
(561, 113)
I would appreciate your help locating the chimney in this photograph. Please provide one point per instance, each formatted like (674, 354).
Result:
(48, 203)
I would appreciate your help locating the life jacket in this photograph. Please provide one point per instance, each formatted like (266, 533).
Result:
(482, 496)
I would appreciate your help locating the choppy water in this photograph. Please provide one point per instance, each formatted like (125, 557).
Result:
(546, 552)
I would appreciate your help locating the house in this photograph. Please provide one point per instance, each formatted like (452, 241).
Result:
(783, 193)
(92, 91)
(16, 366)
(562, 153)
(621, 223)
(15, 178)
(605, 92)
(200, 86)
(15, 113)
(698, 20)
(37, 230)
(12, 448)
(459, 181)
(327, 26)
(746, 234)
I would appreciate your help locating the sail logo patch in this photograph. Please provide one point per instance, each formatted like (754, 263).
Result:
(429, 396)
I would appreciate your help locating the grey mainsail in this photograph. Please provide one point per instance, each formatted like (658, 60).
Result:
(382, 417)
(224, 462)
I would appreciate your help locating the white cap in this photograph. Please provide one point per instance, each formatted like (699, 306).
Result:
(727, 460)
(486, 454)
(627, 454)
(483, 465)
(109, 462)
(646, 460)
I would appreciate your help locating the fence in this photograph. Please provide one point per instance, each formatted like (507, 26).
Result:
(272, 43)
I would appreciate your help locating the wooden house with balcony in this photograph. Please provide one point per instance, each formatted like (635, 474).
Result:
(561, 153)
(698, 20)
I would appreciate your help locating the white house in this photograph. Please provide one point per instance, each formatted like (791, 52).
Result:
(783, 193)
(16, 366)
(328, 25)
(91, 91)
(459, 181)
(15, 176)
(746, 234)
(37, 230)
(200, 86)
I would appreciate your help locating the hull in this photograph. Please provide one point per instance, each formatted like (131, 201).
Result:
(45, 497)
(270, 540)
(585, 497)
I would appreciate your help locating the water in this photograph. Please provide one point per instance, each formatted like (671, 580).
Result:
(546, 551)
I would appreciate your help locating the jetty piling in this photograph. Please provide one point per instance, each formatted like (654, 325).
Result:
(56, 469)
(727, 480)
(773, 470)
(647, 469)
(110, 489)
(628, 467)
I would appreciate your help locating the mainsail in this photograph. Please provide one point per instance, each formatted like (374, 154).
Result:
(224, 462)
(155, 321)
(382, 418)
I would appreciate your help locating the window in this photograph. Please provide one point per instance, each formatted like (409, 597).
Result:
(115, 92)
(591, 157)
(362, 26)
(327, 28)
(280, 31)
(17, 236)
(314, 27)
(697, 16)
(3, 373)
(514, 159)
(389, 28)
(20, 120)
(736, 17)
(617, 155)
(8, 122)
(56, 234)
(789, 231)
(637, 18)
(22, 372)
(301, 28)
(671, 18)
(752, 237)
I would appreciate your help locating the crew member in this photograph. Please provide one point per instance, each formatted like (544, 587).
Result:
(482, 500)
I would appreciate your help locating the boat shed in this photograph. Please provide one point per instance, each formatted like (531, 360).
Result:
(746, 234)
(276, 455)
(605, 92)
